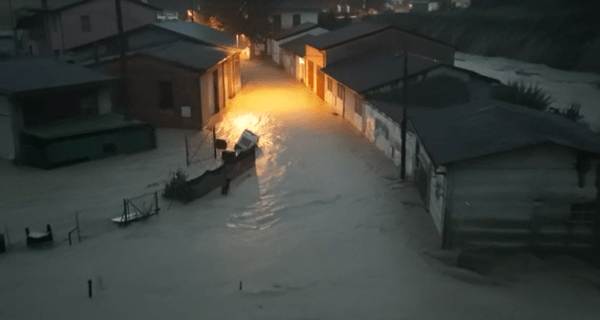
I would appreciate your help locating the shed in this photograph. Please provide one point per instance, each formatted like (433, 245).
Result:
(499, 175)
(179, 85)
(49, 109)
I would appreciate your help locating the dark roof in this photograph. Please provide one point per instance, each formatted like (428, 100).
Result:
(297, 46)
(371, 70)
(390, 109)
(199, 32)
(339, 36)
(188, 55)
(436, 92)
(286, 33)
(77, 126)
(23, 75)
(58, 5)
(488, 127)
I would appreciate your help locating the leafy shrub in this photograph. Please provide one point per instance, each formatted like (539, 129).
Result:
(177, 187)
(531, 96)
(571, 112)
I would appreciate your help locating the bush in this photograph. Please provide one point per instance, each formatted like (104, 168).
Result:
(531, 96)
(177, 187)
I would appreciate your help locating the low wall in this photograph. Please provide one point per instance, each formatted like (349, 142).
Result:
(212, 179)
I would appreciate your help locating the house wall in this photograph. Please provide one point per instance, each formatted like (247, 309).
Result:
(7, 131)
(392, 39)
(287, 20)
(143, 76)
(386, 134)
(102, 19)
(517, 199)
(208, 96)
(318, 58)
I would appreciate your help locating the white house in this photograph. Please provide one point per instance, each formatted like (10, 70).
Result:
(292, 54)
(293, 13)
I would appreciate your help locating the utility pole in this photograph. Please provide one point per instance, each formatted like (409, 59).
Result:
(192, 9)
(123, 98)
(404, 122)
(14, 25)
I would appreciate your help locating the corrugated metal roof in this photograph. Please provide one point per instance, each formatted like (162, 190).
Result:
(435, 92)
(339, 36)
(297, 46)
(76, 126)
(200, 32)
(196, 56)
(22, 75)
(488, 127)
(370, 70)
(286, 33)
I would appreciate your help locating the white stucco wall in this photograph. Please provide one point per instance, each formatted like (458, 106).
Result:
(7, 137)
(287, 18)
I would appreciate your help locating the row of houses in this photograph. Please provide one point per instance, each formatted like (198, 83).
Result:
(491, 174)
(70, 107)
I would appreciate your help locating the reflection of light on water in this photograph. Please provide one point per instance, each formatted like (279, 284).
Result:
(264, 109)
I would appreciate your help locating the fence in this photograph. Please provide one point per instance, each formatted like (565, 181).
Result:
(200, 147)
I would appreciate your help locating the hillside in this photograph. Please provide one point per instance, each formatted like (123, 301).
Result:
(557, 33)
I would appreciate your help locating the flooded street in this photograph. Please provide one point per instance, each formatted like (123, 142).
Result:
(321, 229)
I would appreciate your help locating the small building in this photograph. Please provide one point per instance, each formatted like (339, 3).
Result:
(178, 85)
(277, 39)
(499, 175)
(291, 13)
(53, 113)
(208, 57)
(362, 38)
(439, 87)
(292, 53)
(58, 26)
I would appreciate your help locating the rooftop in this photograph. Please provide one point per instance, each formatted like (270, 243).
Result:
(190, 55)
(76, 126)
(339, 36)
(200, 32)
(286, 33)
(488, 127)
(24, 75)
(375, 69)
(297, 46)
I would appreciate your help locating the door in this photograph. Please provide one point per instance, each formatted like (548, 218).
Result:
(320, 85)
(311, 80)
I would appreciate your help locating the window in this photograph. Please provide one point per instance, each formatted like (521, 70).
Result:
(296, 19)
(358, 106)
(329, 84)
(166, 94)
(340, 91)
(86, 25)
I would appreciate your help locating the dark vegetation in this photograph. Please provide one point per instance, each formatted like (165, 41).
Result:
(560, 33)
